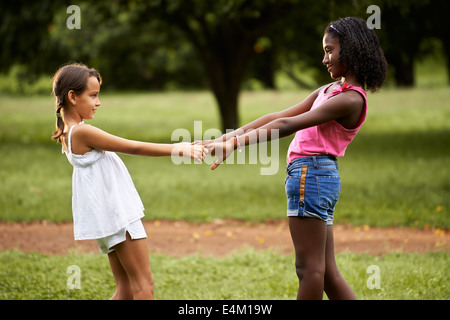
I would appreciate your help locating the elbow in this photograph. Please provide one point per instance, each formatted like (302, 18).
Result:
(285, 127)
(274, 116)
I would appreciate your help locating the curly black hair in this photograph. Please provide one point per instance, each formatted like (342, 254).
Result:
(360, 51)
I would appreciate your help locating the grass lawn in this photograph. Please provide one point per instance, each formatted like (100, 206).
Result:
(241, 276)
(394, 174)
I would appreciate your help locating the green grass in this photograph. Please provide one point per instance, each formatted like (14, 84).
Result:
(243, 275)
(394, 173)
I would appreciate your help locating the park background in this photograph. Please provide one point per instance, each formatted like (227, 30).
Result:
(166, 64)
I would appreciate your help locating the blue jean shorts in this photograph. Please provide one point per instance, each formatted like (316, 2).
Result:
(313, 187)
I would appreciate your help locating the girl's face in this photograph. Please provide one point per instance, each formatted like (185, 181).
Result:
(332, 47)
(88, 102)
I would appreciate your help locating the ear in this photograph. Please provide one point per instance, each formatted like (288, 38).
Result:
(72, 97)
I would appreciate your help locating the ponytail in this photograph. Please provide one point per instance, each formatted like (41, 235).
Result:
(59, 120)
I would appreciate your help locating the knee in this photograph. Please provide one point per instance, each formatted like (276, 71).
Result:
(310, 271)
(145, 283)
(143, 288)
(306, 273)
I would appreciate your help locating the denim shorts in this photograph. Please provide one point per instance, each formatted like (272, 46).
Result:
(313, 187)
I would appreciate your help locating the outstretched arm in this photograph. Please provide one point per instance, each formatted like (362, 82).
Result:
(86, 138)
(338, 107)
(295, 110)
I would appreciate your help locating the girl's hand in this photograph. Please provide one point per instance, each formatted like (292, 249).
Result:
(208, 142)
(221, 149)
(188, 150)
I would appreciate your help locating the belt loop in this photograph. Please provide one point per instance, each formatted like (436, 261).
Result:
(314, 158)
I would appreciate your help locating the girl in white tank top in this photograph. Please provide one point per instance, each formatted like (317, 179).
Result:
(105, 203)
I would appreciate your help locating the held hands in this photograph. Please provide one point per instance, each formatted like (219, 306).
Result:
(199, 149)
(218, 148)
(192, 151)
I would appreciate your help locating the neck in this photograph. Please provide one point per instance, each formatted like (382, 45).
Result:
(350, 79)
(70, 118)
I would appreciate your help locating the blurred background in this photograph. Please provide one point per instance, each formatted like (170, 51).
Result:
(166, 64)
(223, 45)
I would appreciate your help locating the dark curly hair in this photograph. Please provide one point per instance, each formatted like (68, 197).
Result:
(360, 51)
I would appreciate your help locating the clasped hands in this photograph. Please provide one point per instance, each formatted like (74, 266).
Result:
(198, 150)
(218, 147)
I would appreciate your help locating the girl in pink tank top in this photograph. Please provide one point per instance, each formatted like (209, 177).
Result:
(330, 137)
(324, 124)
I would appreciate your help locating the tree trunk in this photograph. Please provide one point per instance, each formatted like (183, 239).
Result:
(225, 62)
(264, 68)
(446, 45)
(225, 49)
(404, 70)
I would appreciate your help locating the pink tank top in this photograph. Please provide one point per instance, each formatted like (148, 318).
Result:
(329, 137)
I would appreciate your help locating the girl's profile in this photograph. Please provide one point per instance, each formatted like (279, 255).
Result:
(324, 125)
(105, 203)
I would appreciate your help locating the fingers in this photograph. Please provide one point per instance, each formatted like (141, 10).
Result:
(199, 153)
(199, 143)
(202, 142)
(200, 149)
(210, 146)
(215, 165)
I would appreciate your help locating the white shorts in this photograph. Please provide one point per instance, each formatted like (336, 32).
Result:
(135, 229)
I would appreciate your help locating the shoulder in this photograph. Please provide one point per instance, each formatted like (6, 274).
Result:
(89, 136)
(350, 95)
(345, 102)
(354, 96)
(83, 130)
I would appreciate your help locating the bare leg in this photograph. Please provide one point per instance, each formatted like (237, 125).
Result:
(335, 286)
(123, 289)
(309, 238)
(133, 257)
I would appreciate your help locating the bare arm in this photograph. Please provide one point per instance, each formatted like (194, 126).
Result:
(340, 106)
(295, 110)
(86, 138)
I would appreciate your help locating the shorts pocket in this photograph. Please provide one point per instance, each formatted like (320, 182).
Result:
(295, 191)
(329, 188)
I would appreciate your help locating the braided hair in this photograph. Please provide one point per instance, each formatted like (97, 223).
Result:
(69, 77)
(360, 51)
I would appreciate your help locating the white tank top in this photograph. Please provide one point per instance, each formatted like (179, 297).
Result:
(104, 198)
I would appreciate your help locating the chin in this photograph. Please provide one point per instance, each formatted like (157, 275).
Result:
(335, 77)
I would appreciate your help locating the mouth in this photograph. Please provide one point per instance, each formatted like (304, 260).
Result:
(329, 67)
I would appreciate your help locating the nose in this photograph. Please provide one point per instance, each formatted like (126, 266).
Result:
(98, 103)
(325, 59)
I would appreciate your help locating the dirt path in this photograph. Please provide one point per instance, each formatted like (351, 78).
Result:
(222, 237)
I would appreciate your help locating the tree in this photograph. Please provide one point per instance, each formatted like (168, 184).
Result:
(24, 36)
(223, 33)
(402, 36)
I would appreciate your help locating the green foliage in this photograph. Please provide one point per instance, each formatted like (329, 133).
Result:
(151, 45)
